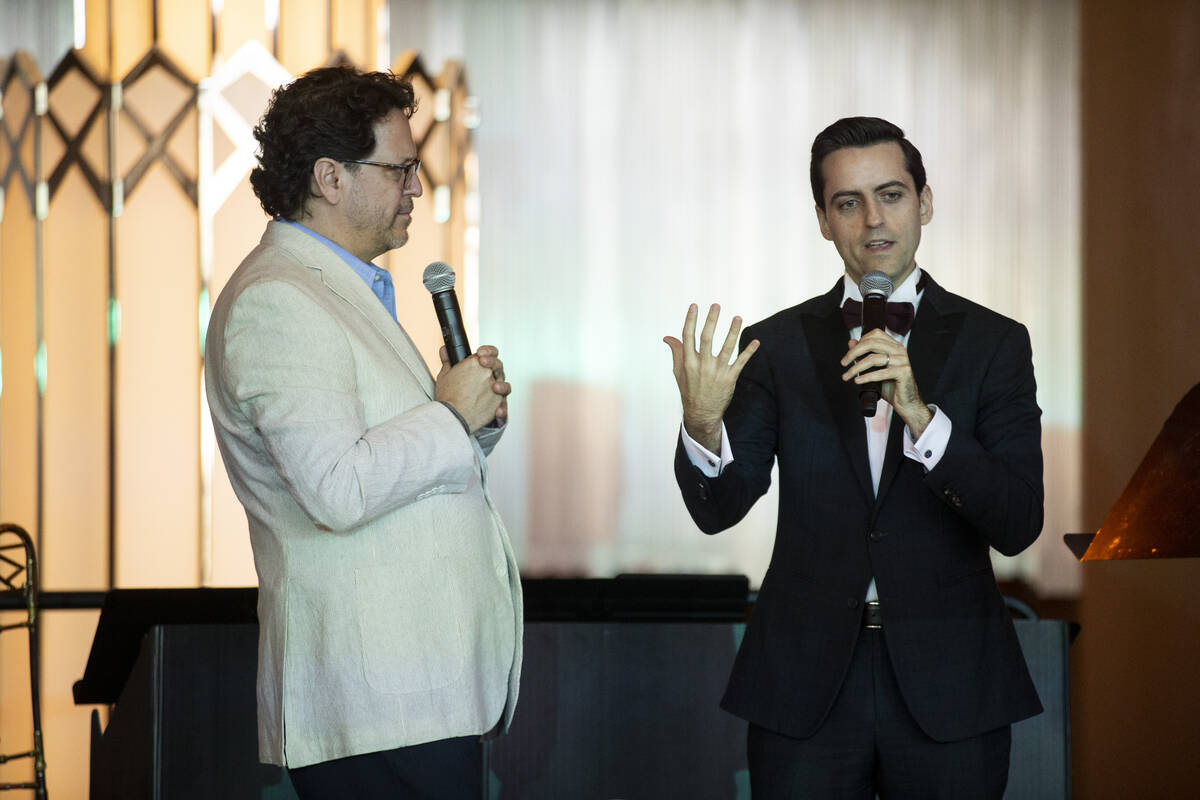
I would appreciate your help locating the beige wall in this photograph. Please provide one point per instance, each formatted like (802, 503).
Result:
(1136, 689)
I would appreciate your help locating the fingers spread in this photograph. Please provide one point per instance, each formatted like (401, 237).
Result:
(731, 338)
(676, 354)
(706, 380)
(689, 326)
(744, 356)
(710, 327)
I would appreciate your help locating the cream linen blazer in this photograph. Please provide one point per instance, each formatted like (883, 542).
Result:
(389, 601)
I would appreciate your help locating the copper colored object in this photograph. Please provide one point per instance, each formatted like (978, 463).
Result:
(1158, 514)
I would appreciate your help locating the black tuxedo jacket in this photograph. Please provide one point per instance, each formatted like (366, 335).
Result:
(925, 538)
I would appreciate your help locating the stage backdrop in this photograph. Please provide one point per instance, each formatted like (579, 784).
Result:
(636, 156)
(639, 156)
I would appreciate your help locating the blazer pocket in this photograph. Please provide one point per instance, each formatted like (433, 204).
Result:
(408, 621)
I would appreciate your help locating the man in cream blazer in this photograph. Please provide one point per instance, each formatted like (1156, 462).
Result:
(389, 600)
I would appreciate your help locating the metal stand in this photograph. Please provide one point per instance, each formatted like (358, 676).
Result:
(14, 538)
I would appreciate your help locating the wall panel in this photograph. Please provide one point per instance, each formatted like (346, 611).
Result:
(303, 34)
(1137, 698)
(147, 210)
(185, 33)
(19, 415)
(158, 381)
(353, 29)
(76, 470)
(239, 23)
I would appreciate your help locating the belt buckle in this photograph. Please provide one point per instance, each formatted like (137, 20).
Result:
(872, 612)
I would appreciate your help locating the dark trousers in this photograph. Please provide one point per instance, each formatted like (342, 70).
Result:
(870, 745)
(450, 769)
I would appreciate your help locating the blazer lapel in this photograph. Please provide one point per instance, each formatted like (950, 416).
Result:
(340, 279)
(826, 336)
(347, 285)
(933, 334)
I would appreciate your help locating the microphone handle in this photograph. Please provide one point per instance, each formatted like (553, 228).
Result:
(874, 316)
(445, 304)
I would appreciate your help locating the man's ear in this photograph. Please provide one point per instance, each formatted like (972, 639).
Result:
(926, 205)
(823, 223)
(326, 180)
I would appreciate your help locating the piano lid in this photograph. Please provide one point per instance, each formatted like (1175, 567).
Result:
(1158, 514)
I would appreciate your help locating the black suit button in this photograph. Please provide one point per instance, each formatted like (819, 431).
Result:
(852, 602)
(875, 536)
(703, 492)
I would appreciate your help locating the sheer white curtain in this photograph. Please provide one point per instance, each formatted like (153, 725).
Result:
(43, 28)
(636, 156)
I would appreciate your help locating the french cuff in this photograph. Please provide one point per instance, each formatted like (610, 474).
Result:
(704, 459)
(457, 416)
(929, 449)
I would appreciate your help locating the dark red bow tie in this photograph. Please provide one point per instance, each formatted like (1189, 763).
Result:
(899, 316)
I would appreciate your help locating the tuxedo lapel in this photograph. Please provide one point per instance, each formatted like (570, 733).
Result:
(826, 336)
(933, 334)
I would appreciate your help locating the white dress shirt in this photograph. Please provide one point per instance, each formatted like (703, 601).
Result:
(927, 449)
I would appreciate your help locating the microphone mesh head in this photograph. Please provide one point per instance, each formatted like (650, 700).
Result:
(873, 283)
(438, 277)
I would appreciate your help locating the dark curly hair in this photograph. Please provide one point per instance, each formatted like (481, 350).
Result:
(329, 112)
(860, 132)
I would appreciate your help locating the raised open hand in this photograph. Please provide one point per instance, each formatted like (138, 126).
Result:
(706, 381)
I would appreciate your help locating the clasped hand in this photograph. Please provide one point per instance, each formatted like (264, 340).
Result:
(475, 387)
(879, 357)
(706, 382)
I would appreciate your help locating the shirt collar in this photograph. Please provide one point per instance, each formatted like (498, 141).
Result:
(365, 270)
(904, 293)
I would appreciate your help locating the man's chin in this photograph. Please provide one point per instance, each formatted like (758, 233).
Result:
(897, 273)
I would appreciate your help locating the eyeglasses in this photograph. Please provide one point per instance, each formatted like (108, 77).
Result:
(408, 170)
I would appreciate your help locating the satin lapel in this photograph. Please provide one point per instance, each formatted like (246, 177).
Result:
(340, 279)
(933, 334)
(826, 336)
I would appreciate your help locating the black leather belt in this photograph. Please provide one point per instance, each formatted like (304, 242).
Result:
(872, 615)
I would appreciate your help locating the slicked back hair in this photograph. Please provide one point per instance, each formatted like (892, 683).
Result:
(860, 132)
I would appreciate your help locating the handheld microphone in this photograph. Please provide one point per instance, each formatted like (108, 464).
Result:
(876, 288)
(439, 280)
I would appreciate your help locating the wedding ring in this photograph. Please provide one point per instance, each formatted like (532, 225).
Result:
(889, 360)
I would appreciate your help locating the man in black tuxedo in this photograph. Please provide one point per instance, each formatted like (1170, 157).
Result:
(880, 657)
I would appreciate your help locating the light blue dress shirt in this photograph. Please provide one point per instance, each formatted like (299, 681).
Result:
(377, 279)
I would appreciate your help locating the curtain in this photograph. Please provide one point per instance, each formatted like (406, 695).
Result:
(636, 156)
